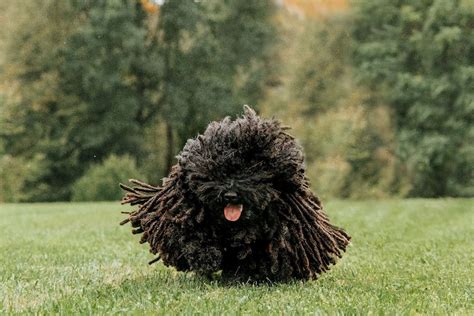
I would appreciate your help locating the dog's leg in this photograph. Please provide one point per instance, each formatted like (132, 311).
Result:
(203, 257)
(189, 248)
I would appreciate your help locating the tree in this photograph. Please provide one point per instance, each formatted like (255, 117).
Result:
(419, 55)
(29, 121)
(216, 56)
(91, 78)
(111, 75)
(86, 78)
(347, 138)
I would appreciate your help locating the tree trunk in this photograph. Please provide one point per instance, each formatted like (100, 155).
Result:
(169, 148)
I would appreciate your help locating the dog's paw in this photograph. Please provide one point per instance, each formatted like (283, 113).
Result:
(204, 260)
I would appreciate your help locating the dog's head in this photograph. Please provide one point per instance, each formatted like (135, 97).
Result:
(238, 168)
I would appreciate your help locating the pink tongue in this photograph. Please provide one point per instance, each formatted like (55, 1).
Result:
(232, 212)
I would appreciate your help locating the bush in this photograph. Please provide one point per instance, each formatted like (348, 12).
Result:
(101, 182)
(12, 174)
(350, 152)
(16, 174)
(346, 131)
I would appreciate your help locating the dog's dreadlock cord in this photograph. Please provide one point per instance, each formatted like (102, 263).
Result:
(316, 243)
(291, 239)
(149, 198)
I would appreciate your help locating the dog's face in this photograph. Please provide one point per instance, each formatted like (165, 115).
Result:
(237, 169)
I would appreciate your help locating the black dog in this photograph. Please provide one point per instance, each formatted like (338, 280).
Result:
(238, 202)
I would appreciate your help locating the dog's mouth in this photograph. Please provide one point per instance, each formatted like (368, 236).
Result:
(232, 212)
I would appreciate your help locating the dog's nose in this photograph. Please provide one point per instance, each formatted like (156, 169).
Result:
(231, 196)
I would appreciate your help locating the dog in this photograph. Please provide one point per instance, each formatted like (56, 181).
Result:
(238, 201)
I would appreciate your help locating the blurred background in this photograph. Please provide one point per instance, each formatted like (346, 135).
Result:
(379, 93)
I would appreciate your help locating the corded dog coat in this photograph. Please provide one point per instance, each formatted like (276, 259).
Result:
(238, 201)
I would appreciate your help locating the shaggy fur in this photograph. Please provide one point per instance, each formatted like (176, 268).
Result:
(282, 232)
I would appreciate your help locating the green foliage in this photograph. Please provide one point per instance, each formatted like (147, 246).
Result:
(348, 140)
(353, 152)
(101, 181)
(12, 175)
(110, 73)
(91, 78)
(15, 173)
(81, 80)
(419, 55)
(321, 77)
(71, 258)
(216, 59)
(30, 117)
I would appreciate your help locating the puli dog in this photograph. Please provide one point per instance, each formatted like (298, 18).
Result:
(238, 201)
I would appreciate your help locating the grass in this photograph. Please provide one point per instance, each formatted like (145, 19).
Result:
(407, 257)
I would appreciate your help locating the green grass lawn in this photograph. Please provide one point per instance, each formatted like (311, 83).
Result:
(407, 257)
